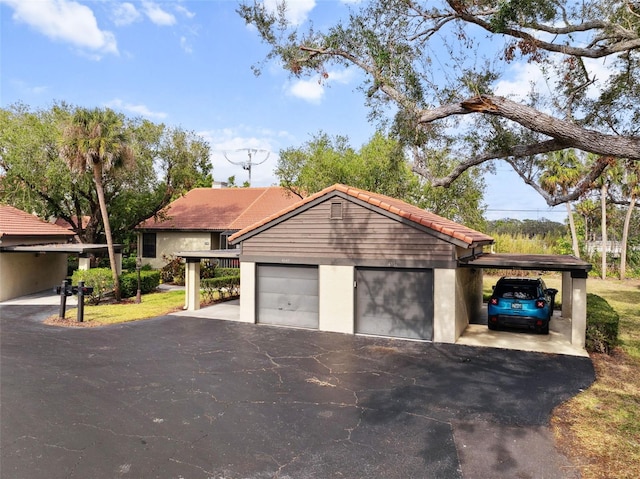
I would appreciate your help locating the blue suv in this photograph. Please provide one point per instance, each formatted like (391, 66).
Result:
(521, 302)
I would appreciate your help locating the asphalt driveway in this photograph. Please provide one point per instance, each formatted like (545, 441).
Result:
(179, 397)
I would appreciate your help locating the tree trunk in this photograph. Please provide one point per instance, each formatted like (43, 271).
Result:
(625, 238)
(574, 235)
(97, 176)
(603, 213)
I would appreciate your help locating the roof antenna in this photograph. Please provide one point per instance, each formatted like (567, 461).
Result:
(247, 165)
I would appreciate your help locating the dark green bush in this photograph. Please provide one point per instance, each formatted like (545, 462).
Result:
(602, 325)
(225, 286)
(149, 281)
(220, 272)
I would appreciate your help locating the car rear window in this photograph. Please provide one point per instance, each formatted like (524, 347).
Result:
(516, 291)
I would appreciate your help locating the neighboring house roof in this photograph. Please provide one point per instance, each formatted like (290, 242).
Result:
(397, 208)
(15, 222)
(64, 223)
(220, 209)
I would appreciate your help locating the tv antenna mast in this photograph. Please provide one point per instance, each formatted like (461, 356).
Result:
(250, 163)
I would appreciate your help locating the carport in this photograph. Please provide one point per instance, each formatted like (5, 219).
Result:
(574, 282)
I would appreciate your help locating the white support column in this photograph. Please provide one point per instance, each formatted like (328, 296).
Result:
(579, 312)
(247, 292)
(337, 298)
(192, 282)
(84, 263)
(567, 291)
(118, 258)
(444, 305)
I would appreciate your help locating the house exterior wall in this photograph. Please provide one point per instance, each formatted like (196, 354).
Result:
(360, 236)
(169, 242)
(27, 273)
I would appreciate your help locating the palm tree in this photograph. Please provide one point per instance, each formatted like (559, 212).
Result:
(631, 187)
(95, 140)
(609, 176)
(563, 171)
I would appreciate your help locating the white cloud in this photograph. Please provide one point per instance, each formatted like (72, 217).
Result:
(297, 10)
(184, 11)
(186, 45)
(66, 21)
(141, 110)
(313, 89)
(157, 15)
(125, 14)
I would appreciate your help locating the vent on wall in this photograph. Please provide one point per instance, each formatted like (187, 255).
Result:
(336, 210)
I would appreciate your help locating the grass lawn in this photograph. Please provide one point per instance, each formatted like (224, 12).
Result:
(599, 429)
(151, 306)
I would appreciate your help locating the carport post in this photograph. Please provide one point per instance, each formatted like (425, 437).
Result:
(192, 280)
(80, 301)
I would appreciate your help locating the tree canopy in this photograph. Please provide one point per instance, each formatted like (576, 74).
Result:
(379, 166)
(165, 163)
(442, 66)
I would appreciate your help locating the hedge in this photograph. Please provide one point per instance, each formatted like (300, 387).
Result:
(602, 325)
(149, 281)
(225, 286)
(100, 279)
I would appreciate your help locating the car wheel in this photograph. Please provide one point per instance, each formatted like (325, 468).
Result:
(492, 327)
(544, 329)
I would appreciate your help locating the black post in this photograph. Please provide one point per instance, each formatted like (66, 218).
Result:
(63, 298)
(80, 301)
(138, 266)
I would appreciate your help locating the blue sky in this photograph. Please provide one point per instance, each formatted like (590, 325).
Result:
(188, 64)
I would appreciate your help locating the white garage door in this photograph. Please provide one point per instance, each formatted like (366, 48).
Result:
(288, 295)
(395, 302)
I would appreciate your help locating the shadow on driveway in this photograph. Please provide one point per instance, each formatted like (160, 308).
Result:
(180, 397)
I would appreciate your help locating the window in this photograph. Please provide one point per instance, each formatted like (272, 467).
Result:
(148, 245)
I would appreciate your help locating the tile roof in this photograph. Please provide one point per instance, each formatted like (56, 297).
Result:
(219, 209)
(15, 222)
(392, 205)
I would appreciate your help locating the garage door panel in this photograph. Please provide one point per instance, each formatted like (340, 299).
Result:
(391, 302)
(288, 296)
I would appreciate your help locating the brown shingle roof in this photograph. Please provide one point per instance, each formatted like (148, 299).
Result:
(392, 205)
(15, 222)
(211, 209)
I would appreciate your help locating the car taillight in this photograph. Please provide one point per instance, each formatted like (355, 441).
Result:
(493, 319)
(540, 303)
(494, 301)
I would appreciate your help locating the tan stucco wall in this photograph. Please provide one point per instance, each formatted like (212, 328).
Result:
(337, 298)
(444, 305)
(27, 273)
(168, 243)
(468, 297)
(247, 292)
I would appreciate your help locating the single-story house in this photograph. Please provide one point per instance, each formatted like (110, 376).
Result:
(351, 261)
(34, 253)
(24, 273)
(204, 218)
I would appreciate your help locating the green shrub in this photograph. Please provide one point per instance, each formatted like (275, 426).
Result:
(173, 271)
(149, 281)
(220, 272)
(602, 325)
(224, 286)
(100, 279)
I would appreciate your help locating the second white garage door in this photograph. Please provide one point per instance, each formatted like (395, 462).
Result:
(287, 295)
